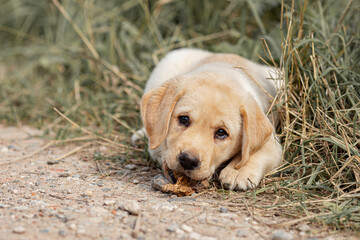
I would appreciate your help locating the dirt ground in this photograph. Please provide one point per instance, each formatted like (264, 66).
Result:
(74, 198)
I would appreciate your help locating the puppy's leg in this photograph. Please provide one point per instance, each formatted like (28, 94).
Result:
(138, 135)
(250, 175)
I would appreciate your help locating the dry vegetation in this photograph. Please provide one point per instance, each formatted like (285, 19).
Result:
(90, 59)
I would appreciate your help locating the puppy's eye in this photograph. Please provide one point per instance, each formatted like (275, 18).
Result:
(221, 134)
(184, 120)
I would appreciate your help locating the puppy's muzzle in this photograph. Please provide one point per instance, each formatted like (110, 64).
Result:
(188, 161)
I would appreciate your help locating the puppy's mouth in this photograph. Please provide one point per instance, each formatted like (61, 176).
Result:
(172, 176)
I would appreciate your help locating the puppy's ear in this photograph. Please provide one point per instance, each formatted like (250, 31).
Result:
(256, 129)
(156, 110)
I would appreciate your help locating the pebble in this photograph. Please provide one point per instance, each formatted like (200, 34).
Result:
(69, 217)
(141, 237)
(135, 181)
(223, 210)
(242, 233)
(87, 194)
(304, 227)
(64, 175)
(81, 230)
(45, 230)
(21, 208)
(72, 226)
(172, 227)
(175, 198)
(158, 181)
(19, 230)
(4, 205)
(14, 147)
(164, 206)
(106, 189)
(109, 202)
(62, 233)
(52, 162)
(4, 149)
(130, 166)
(186, 228)
(281, 235)
(208, 238)
(178, 231)
(195, 236)
(132, 207)
(100, 184)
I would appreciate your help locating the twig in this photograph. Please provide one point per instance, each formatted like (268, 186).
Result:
(295, 221)
(29, 155)
(192, 217)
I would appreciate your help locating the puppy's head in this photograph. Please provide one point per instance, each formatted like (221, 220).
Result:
(202, 122)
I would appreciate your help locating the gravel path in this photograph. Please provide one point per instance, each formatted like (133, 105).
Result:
(45, 198)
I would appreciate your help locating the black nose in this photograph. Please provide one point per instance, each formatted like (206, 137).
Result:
(187, 161)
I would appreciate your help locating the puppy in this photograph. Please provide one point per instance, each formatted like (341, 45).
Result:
(201, 110)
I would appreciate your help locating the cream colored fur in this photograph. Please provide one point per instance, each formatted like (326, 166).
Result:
(216, 92)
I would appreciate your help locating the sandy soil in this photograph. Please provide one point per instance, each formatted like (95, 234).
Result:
(78, 198)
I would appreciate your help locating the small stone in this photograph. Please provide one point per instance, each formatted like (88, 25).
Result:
(62, 233)
(87, 194)
(132, 207)
(72, 226)
(68, 217)
(19, 230)
(53, 162)
(208, 238)
(14, 147)
(45, 230)
(223, 210)
(281, 235)
(4, 149)
(172, 227)
(304, 227)
(242, 233)
(195, 236)
(130, 166)
(158, 181)
(179, 231)
(64, 175)
(21, 208)
(106, 189)
(143, 199)
(109, 202)
(186, 228)
(60, 216)
(3, 206)
(140, 237)
(81, 230)
(100, 184)
(135, 181)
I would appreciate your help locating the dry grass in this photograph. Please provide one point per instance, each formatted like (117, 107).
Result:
(90, 60)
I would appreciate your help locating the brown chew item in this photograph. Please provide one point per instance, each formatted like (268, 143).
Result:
(184, 185)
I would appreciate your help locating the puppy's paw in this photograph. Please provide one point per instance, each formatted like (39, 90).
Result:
(242, 179)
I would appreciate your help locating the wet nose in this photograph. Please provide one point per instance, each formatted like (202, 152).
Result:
(188, 161)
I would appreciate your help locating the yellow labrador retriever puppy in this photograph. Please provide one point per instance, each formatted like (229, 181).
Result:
(201, 110)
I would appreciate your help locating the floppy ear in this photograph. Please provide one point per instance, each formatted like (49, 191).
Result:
(156, 110)
(256, 130)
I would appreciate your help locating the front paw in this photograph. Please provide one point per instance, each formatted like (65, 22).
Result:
(242, 179)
